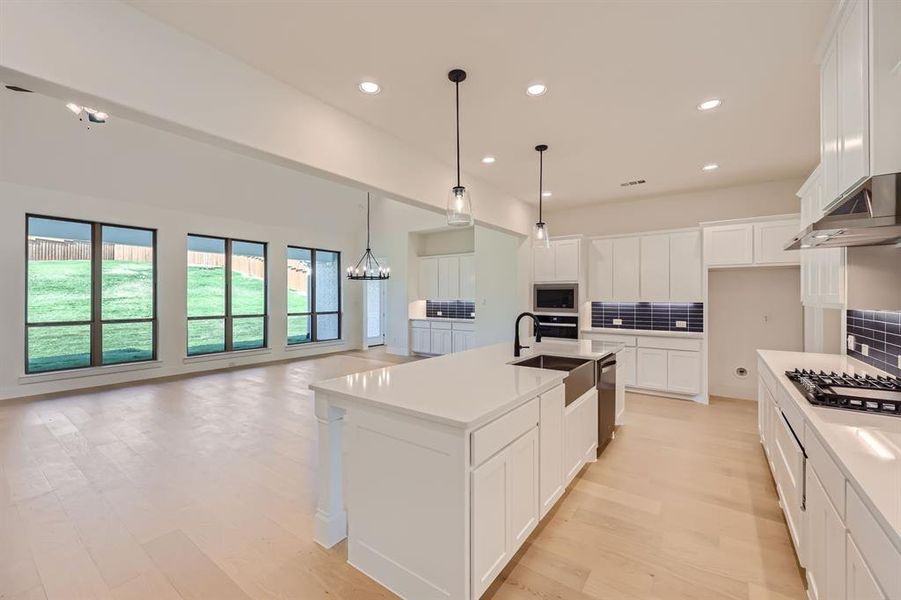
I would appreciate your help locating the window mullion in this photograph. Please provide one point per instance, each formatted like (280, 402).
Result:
(314, 333)
(96, 299)
(228, 297)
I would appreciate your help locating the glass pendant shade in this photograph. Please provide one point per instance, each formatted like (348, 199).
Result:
(540, 237)
(459, 207)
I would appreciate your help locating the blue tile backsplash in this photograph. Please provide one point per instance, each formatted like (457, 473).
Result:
(455, 309)
(881, 331)
(657, 316)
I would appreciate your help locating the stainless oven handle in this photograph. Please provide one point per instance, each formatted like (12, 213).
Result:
(552, 324)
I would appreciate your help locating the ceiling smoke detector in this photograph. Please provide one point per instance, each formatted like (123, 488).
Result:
(631, 183)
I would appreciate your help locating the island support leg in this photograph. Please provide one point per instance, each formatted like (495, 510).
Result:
(330, 525)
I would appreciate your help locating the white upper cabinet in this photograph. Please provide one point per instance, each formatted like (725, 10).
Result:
(770, 239)
(428, 278)
(659, 267)
(449, 277)
(727, 245)
(685, 267)
(626, 263)
(758, 242)
(468, 277)
(561, 261)
(853, 96)
(829, 127)
(655, 271)
(822, 269)
(600, 277)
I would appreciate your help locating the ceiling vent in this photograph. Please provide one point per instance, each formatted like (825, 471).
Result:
(631, 183)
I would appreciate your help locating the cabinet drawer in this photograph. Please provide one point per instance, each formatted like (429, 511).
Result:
(827, 472)
(875, 547)
(441, 325)
(464, 326)
(420, 324)
(628, 340)
(666, 343)
(502, 431)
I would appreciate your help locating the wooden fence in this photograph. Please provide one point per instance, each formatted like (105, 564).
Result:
(251, 266)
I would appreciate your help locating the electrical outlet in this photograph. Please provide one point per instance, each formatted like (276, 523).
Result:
(899, 361)
(864, 349)
(440, 313)
(681, 324)
(617, 321)
(850, 345)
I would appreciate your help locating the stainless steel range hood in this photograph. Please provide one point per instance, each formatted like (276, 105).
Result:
(870, 215)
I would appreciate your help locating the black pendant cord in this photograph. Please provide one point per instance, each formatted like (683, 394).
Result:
(457, 87)
(367, 221)
(540, 182)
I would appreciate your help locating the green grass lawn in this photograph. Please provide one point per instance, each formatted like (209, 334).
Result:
(60, 291)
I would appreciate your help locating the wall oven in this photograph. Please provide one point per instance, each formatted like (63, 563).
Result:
(555, 297)
(559, 326)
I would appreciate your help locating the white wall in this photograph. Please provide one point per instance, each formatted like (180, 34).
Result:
(676, 210)
(129, 174)
(453, 241)
(750, 309)
(499, 289)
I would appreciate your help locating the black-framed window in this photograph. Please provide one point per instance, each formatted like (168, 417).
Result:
(227, 295)
(90, 294)
(314, 295)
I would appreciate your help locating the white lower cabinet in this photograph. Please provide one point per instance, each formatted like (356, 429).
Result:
(504, 507)
(651, 370)
(683, 372)
(442, 341)
(421, 340)
(551, 484)
(628, 368)
(580, 430)
(825, 543)
(860, 583)
(463, 340)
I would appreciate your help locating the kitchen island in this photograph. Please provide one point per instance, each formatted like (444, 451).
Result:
(437, 471)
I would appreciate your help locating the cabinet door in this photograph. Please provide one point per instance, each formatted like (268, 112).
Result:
(654, 268)
(573, 432)
(830, 280)
(626, 253)
(860, 583)
(769, 240)
(566, 260)
(543, 268)
(685, 267)
(651, 366)
(442, 341)
(628, 369)
(829, 126)
(809, 275)
(449, 278)
(600, 265)
(462, 341)
(825, 533)
(428, 278)
(550, 446)
(523, 470)
(490, 518)
(853, 99)
(726, 245)
(421, 341)
(467, 278)
(589, 421)
(683, 371)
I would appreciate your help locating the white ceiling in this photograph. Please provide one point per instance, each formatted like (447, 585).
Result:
(624, 79)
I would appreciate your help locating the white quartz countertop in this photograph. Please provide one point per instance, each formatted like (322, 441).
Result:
(445, 319)
(649, 332)
(464, 389)
(867, 447)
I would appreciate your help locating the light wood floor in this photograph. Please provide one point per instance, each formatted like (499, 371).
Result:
(204, 488)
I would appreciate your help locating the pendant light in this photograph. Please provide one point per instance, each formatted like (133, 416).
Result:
(540, 233)
(459, 204)
(368, 268)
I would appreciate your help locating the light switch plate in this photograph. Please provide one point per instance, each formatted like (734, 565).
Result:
(899, 361)
(850, 345)
(864, 349)
(617, 321)
(682, 324)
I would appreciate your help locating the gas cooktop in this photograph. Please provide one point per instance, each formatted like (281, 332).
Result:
(865, 393)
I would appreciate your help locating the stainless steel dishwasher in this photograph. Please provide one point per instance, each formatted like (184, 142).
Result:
(606, 378)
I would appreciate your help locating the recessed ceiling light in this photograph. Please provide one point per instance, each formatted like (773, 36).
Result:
(536, 89)
(369, 87)
(710, 104)
(546, 194)
(488, 160)
(710, 167)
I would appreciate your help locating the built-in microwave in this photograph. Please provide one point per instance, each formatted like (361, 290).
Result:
(556, 297)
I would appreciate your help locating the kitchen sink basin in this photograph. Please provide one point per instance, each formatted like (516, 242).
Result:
(582, 372)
